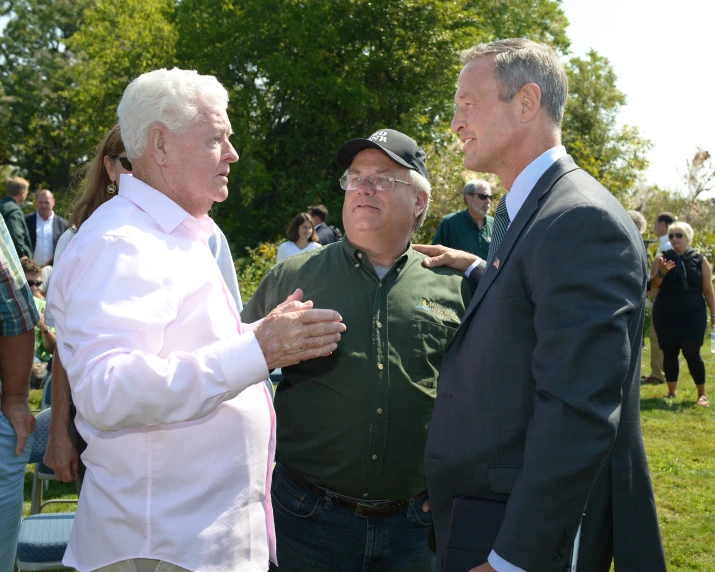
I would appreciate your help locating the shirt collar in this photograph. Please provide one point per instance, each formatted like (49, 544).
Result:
(665, 243)
(359, 256)
(49, 219)
(165, 212)
(528, 178)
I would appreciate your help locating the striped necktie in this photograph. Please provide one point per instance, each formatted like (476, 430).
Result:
(501, 223)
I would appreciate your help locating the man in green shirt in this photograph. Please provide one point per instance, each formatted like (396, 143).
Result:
(470, 229)
(16, 189)
(349, 487)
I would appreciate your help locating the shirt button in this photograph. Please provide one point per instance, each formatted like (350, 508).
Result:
(374, 457)
(380, 366)
(379, 410)
(365, 495)
(359, 254)
(357, 265)
(379, 324)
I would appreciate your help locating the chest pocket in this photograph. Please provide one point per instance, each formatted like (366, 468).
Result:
(429, 340)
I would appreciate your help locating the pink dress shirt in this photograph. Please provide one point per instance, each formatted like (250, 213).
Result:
(180, 430)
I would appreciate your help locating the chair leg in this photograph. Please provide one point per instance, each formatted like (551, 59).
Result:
(36, 495)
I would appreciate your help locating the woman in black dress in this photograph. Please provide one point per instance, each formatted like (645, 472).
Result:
(683, 276)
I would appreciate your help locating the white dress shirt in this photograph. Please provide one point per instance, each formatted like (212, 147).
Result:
(180, 430)
(664, 244)
(523, 185)
(289, 248)
(43, 239)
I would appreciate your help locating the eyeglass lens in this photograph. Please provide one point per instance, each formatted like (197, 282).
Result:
(483, 197)
(676, 235)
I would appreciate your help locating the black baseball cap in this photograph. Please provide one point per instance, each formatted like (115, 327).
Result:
(397, 146)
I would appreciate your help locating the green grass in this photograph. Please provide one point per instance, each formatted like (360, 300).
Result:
(680, 440)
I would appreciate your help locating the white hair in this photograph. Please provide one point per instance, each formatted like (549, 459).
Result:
(168, 97)
(683, 227)
(420, 183)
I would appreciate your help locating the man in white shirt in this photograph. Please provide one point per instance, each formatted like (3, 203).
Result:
(45, 228)
(535, 459)
(167, 381)
(657, 373)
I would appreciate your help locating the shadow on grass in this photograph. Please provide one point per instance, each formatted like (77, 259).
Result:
(660, 403)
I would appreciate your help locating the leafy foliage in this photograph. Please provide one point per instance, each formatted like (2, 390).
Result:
(614, 157)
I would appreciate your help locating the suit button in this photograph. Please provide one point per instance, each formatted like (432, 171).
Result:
(379, 324)
(374, 457)
(380, 366)
(379, 410)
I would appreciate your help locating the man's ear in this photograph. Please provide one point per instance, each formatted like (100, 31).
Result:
(158, 142)
(529, 99)
(421, 203)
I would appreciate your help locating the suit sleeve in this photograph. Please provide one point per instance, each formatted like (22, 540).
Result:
(586, 279)
(17, 227)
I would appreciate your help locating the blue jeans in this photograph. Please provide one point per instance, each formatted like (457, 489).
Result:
(12, 479)
(314, 535)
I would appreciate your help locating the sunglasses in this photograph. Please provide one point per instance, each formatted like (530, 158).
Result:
(482, 196)
(124, 161)
(35, 282)
(676, 235)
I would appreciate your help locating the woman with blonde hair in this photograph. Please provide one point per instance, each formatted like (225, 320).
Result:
(684, 276)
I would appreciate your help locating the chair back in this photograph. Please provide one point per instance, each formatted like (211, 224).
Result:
(41, 434)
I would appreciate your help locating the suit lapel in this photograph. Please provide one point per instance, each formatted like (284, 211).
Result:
(526, 212)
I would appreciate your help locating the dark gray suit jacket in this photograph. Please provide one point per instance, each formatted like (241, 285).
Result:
(59, 226)
(539, 392)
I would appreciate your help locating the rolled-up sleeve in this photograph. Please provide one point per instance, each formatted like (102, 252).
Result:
(114, 308)
(18, 313)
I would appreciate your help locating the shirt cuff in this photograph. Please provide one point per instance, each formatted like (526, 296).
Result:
(501, 565)
(242, 362)
(472, 267)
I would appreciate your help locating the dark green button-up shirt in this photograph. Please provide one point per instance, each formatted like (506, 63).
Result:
(356, 421)
(458, 230)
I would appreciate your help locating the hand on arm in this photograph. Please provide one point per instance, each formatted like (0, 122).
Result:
(443, 256)
(61, 455)
(15, 364)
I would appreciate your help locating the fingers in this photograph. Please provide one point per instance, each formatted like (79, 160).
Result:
(426, 506)
(296, 296)
(322, 316)
(20, 439)
(429, 249)
(440, 260)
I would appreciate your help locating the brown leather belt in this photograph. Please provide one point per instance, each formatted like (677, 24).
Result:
(388, 508)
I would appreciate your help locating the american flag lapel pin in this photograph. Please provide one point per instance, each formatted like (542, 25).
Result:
(496, 263)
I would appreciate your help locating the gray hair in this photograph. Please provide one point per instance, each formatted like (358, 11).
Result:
(683, 227)
(167, 97)
(476, 185)
(420, 183)
(638, 220)
(519, 61)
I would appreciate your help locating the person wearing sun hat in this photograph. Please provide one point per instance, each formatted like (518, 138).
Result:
(349, 489)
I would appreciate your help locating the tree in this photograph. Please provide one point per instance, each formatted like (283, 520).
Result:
(36, 84)
(113, 47)
(307, 75)
(614, 157)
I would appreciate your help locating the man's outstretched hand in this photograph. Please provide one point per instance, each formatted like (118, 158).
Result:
(294, 332)
(442, 256)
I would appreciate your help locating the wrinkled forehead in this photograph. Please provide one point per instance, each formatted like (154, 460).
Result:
(374, 161)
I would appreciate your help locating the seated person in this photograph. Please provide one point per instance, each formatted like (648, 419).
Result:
(45, 340)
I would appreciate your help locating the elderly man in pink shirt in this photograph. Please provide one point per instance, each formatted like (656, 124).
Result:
(167, 382)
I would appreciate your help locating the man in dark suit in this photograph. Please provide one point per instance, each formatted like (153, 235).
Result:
(326, 235)
(45, 228)
(538, 403)
(16, 189)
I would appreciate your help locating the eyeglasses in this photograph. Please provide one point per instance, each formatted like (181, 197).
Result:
(124, 161)
(375, 182)
(676, 235)
(482, 196)
(35, 282)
